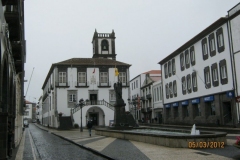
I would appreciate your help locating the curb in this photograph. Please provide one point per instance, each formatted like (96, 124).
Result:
(87, 148)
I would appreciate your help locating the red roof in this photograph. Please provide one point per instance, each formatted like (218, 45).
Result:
(27, 102)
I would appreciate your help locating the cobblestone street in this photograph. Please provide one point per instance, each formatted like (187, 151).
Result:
(121, 149)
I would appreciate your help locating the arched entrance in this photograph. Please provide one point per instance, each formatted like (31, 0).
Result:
(96, 114)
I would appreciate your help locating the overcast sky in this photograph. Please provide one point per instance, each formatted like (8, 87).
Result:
(146, 31)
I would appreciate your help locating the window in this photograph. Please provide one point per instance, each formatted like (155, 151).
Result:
(26, 113)
(220, 40)
(183, 85)
(136, 83)
(192, 55)
(214, 72)
(212, 45)
(132, 86)
(104, 45)
(157, 95)
(104, 77)
(62, 77)
(167, 91)
(171, 89)
(81, 77)
(173, 66)
(204, 49)
(223, 72)
(175, 88)
(215, 78)
(189, 84)
(169, 69)
(72, 98)
(194, 81)
(166, 70)
(112, 96)
(207, 77)
(187, 59)
(122, 77)
(182, 62)
(160, 93)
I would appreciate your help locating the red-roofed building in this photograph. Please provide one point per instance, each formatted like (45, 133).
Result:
(141, 88)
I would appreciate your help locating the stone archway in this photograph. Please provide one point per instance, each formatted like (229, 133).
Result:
(97, 115)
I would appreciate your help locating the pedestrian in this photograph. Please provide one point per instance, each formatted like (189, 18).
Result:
(89, 126)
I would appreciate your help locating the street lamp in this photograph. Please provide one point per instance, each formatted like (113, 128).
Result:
(81, 104)
(134, 102)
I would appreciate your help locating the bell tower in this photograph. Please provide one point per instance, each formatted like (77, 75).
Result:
(104, 45)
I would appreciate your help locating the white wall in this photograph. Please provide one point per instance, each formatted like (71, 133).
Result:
(199, 67)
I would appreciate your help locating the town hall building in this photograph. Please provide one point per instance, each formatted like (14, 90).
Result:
(90, 79)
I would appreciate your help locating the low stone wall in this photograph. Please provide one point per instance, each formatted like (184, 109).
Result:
(207, 139)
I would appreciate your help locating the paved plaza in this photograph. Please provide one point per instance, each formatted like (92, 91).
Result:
(129, 150)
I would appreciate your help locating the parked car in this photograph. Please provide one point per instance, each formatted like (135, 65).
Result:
(34, 121)
(25, 123)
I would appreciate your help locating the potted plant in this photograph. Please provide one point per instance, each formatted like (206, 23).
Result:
(237, 143)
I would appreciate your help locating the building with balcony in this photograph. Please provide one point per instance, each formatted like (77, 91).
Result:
(135, 92)
(147, 112)
(30, 111)
(88, 78)
(12, 59)
(157, 100)
(199, 79)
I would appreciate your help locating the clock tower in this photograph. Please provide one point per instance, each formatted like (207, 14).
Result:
(104, 45)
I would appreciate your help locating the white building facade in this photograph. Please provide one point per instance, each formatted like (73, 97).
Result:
(198, 80)
(157, 101)
(85, 78)
(141, 89)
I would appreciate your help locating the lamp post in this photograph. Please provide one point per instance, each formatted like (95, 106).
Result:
(81, 104)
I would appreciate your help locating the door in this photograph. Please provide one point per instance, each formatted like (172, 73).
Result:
(227, 112)
(94, 118)
(93, 99)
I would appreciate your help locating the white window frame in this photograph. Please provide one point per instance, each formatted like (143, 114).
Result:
(175, 88)
(220, 40)
(215, 75)
(112, 96)
(62, 77)
(182, 61)
(207, 75)
(194, 81)
(187, 58)
(212, 45)
(192, 53)
(205, 49)
(122, 78)
(81, 78)
(166, 69)
(160, 93)
(189, 84)
(104, 77)
(173, 67)
(223, 71)
(72, 98)
(184, 85)
(170, 68)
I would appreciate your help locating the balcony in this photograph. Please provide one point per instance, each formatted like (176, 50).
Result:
(149, 109)
(143, 98)
(104, 85)
(81, 85)
(143, 110)
(149, 96)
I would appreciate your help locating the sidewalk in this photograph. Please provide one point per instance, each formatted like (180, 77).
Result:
(122, 149)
